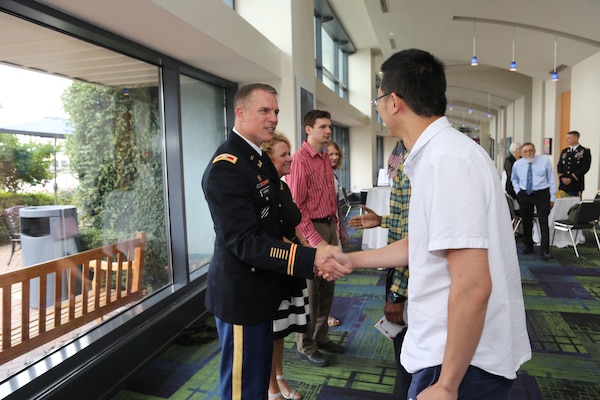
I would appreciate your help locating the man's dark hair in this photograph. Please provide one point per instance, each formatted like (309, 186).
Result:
(419, 78)
(244, 92)
(573, 133)
(311, 117)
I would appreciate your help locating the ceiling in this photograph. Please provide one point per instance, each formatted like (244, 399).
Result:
(446, 28)
(43, 50)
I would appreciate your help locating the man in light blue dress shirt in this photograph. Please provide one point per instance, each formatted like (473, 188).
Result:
(533, 181)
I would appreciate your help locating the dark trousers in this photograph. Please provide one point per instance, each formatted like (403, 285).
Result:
(320, 298)
(477, 384)
(403, 379)
(540, 200)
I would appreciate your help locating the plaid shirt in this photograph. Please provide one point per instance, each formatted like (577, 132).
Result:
(397, 224)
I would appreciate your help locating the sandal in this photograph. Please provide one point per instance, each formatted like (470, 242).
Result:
(275, 396)
(292, 395)
(333, 321)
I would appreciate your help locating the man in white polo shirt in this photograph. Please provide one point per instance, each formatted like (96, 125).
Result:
(467, 335)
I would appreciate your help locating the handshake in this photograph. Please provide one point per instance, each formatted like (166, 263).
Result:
(331, 263)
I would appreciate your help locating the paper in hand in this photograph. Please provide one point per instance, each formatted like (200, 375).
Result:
(389, 329)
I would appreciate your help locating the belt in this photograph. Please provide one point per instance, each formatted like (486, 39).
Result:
(537, 191)
(326, 220)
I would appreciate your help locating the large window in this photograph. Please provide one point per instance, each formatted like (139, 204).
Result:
(83, 128)
(341, 136)
(102, 182)
(332, 48)
(203, 130)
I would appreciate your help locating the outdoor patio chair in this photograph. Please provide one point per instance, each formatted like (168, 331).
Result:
(10, 220)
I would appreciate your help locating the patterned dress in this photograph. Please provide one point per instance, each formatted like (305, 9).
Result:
(293, 312)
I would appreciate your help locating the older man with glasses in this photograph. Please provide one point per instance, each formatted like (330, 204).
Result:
(533, 181)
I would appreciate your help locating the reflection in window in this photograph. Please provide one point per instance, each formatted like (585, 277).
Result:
(115, 151)
(203, 130)
(341, 136)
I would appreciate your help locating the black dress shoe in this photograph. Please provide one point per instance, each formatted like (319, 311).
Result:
(527, 250)
(546, 255)
(317, 358)
(332, 347)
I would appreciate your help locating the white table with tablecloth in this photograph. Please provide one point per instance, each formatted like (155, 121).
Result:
(559, 211)
(378, 200)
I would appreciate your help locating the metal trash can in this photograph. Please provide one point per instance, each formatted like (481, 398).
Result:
(48, 232)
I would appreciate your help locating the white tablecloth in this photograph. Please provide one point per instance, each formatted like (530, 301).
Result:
(378, 200)
(559, 211)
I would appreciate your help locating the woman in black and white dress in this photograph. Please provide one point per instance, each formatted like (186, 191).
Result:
(293, 312)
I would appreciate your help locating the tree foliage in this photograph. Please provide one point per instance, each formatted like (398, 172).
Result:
(116, 152)
(23, 163)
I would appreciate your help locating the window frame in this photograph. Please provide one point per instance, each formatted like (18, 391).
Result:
(342, 48)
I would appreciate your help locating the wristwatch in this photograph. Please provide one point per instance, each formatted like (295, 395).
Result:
(395, 298)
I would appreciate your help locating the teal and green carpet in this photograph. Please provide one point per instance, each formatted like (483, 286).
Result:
(562, 298)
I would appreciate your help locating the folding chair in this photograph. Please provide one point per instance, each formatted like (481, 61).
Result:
(516, 220)
(348, 203)
(586, 217)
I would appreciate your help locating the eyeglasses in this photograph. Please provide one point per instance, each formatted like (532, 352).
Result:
(375, 102)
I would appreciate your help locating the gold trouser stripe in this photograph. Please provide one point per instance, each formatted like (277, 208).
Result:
(292, 259)
(236, 373)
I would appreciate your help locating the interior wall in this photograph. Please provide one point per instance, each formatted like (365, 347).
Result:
(362, 70)
(519, 126)
(565, 119)
(585, 118)
(510, 122)
(537, 108)
(501, 122)
(289, 37)
(551, 112)
(206, 19)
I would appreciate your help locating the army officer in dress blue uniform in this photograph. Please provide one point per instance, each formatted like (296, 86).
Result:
(573, 164)
(250, 259)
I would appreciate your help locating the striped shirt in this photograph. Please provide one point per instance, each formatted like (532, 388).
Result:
(311, 183)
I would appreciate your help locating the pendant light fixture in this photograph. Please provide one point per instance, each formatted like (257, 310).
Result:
(489, 115)
(474, 61)
(554, 73)
(450, 105)
(513, 63)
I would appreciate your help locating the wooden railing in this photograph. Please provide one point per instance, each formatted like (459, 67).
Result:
(98, 281)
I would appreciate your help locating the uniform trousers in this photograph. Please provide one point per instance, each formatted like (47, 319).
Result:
(477, 384)
(320, 297)
(246, 358)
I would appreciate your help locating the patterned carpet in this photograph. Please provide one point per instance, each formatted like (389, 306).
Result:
(562, 299)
